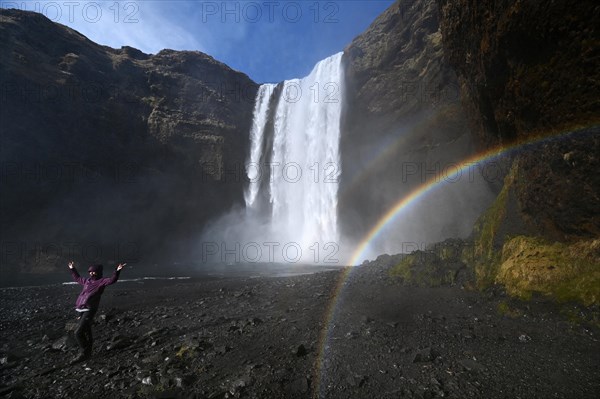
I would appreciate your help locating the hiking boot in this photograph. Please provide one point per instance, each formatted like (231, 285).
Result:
(83, 356)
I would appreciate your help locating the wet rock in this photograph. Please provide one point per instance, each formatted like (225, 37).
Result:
(425, 355)
(366, 320)
(8, 358)
(118, 342)
(239, 384)
(150, 362)
(61, 344)
(155, 332)
(147, 380)
(236, 327)
(356, 381)
(471, 365)
(222, 349)
(524, 338)
(194, 343)
(300, 351)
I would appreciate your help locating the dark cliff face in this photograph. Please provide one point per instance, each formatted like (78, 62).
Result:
(527, 67)
(404, 122)
(530, 80)
(529, 70)
(112, 153)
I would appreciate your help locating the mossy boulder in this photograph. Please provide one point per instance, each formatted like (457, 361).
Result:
(439, 265)
(501, 220)
(566, 272)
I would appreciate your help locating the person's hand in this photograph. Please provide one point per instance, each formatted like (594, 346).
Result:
(71, 265)
(120, 266)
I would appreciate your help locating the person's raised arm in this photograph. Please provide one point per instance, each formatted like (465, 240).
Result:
(113, 279)
(76, 277)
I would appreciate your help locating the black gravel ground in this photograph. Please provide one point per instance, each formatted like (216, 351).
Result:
(264, 338)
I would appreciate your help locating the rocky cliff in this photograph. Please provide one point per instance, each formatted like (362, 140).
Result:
(529, 78)
(112, 153)
(404, 125)
(433, 82)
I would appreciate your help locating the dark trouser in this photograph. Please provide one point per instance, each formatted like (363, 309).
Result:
(83, 333)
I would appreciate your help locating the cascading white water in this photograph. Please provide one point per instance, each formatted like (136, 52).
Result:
(253, 168)
(305, 162)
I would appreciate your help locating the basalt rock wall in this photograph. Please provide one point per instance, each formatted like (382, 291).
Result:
(112, 154)
(529, 79)
(404, 125)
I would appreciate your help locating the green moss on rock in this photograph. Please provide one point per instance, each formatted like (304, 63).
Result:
(487, 237)
(402, 269)
(566, 272)
(439, 265)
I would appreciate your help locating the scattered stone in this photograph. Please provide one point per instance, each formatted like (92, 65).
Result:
(524, 338)
(467, 334)
(223, 349)
(235, 327)
(425, 355)
(61, 344)
(239, 384)
(147, 380)
(154, 332)
(366, 320)
(118, 342)
(471, 365)
(299, 385)
(356, 381)
(152, 359)
(271, 360)
(300, 351)
(8, 358)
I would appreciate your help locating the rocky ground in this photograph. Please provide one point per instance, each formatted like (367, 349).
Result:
(262, 338)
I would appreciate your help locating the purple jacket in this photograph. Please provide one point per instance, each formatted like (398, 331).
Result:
(89, 298)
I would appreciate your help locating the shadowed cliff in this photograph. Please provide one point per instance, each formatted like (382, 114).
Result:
(529, 79)
(404, 126)
(112, 153)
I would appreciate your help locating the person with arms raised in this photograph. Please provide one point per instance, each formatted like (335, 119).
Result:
(87, 304)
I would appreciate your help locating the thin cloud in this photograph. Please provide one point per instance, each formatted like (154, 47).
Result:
(147, 26)
(269, 41)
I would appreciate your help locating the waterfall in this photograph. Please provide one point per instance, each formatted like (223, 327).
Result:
(304, 161)
(253, 168)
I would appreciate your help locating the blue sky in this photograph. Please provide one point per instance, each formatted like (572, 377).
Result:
(268, 40)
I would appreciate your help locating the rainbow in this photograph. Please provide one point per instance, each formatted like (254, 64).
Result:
(400, 206)
(387, 149)
(452, 175)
